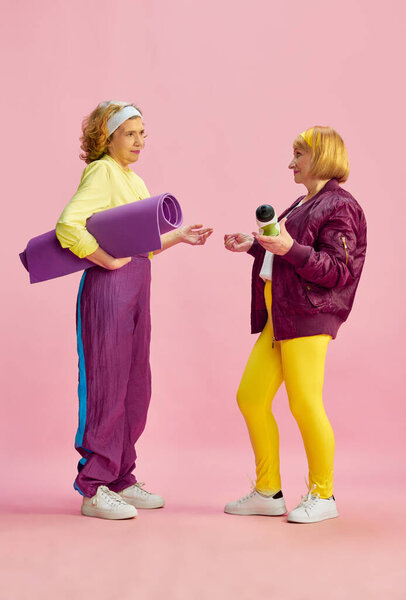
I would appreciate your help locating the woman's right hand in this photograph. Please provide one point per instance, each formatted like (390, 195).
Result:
(238, 242)
(103, 259)
(117, 263)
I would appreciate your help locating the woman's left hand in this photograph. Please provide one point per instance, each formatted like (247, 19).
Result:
(196, 235)
(278, 244)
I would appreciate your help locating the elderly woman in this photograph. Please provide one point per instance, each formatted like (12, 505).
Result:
(113, 317)
(303, 288)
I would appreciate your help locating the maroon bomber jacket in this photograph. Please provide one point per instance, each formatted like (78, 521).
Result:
(314, 284)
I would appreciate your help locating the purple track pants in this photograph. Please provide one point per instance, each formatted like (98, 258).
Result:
(113, 330)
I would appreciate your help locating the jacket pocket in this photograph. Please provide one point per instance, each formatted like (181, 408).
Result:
(318, 296)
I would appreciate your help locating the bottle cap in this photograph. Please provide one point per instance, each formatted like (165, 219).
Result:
(265, 213)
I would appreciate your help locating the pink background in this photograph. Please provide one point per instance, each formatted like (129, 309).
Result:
(225, 87)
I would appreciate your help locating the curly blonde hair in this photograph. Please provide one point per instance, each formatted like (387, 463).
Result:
(329, 154)
(95, 137)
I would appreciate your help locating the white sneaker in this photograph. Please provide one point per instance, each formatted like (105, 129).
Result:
(140, 498)
(106, 504)
(312, 509)
(257, 504)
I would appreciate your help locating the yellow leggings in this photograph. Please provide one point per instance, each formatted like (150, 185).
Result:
(300, 364)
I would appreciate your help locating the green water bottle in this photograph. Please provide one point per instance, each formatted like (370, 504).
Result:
(267, 220)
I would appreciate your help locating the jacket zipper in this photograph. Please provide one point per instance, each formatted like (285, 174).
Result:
(273, 342)
(345, 248)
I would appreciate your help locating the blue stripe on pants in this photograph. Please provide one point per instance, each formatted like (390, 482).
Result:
(82, 386)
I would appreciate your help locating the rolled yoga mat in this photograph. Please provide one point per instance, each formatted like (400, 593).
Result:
(126, 230)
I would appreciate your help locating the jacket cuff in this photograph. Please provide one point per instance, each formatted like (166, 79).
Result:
(298, 254)
(254, 248)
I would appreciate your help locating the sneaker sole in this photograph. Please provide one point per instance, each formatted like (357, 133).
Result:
(277, 512)
(323, 518)
(101, 514)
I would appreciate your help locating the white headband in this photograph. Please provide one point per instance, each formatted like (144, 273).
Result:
(120, 116)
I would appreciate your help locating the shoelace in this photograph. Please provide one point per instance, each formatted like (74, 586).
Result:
(247, 497)
(108, 496)
(250, 495)
(140, 485)
(309, 500)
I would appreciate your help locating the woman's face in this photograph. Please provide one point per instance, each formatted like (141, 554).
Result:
(127, 142)
(301, 165)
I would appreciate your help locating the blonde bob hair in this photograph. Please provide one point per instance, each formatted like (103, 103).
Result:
(95, 137)
(329, 154)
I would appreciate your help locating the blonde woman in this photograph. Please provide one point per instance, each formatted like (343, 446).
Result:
(113, 317)
(303, 287)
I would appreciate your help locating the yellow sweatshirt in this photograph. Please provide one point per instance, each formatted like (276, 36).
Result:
(104, 184)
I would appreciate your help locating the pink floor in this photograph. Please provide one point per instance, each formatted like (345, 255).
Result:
(191, 549)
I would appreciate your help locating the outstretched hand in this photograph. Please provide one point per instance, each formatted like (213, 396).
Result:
(238, 242)
(278, 244)
(196, 235)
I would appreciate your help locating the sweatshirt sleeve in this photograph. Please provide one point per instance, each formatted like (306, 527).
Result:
(255, 249)
(92, 196)
(330, 262)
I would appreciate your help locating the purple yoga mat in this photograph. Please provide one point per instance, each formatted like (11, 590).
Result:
(126, 230)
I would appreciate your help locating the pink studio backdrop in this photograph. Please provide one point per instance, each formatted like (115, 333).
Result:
(225, 87)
